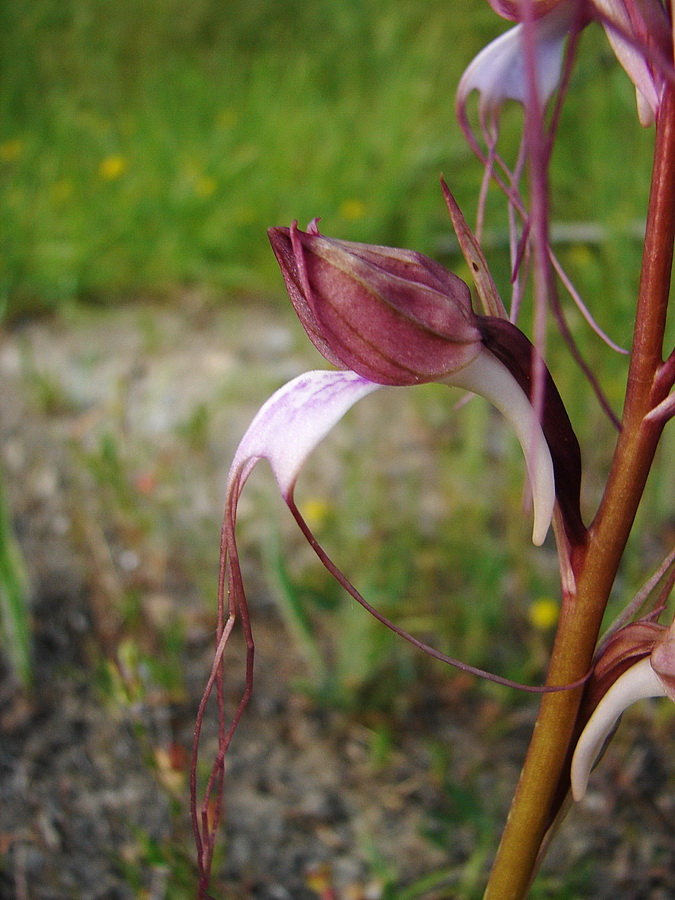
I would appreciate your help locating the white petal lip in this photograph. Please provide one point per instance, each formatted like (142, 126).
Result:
(498, 71)
(299, 415)
(636, 683)
(294, 420)
(631, 58)
(490, 378)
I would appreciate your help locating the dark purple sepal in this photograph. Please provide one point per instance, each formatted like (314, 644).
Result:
(516, 352)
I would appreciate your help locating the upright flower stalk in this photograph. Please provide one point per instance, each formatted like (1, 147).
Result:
(595, 565)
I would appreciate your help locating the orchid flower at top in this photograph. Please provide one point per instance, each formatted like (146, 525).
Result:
(527, 65)
(531, 64)
(386, 319)
(639, 32)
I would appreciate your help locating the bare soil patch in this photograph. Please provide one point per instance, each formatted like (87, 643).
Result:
(116, 432)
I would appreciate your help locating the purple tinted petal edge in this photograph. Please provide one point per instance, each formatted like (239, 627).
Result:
(294, 420)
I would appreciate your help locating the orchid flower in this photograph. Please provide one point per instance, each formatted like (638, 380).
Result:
(387, 319)
(653, 675)
(498, 71)
(530, 64)
(526, 65)
(641, 37)
(396, 317)
(639, 33)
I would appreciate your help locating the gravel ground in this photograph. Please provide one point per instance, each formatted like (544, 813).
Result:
(116, 431)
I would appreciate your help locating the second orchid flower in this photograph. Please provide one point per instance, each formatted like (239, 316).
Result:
(392, 318)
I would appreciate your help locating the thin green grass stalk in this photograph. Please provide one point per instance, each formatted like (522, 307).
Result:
(15, 624)
(295, 615)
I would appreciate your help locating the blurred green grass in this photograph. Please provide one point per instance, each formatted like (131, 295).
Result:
(147, 148)
(144, 151)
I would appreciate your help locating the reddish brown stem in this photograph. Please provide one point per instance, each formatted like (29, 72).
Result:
(595, 565)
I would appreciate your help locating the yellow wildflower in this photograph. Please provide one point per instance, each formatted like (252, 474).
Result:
(112, 167)
(543, 613)
(315, 511)
(205, 186)
(352, 209)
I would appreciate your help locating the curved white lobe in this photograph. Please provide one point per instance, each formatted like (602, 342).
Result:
(294, 420)
(636, 683)
(490, 378)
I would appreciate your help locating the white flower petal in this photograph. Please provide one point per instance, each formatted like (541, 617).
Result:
(490, 378)
(636, 683)
(649, 22)
(294, 420)
(498, 71)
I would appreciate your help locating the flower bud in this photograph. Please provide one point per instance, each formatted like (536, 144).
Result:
(393, 316)
(509, 345)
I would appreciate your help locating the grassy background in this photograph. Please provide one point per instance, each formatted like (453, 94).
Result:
(148, 147)
(145, 148)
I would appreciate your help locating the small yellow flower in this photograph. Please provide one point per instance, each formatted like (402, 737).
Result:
(581, 256)
(319, 881)
(543, 614)
(112, 167)
(352, 209)
(315, 511)
(10, 150)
